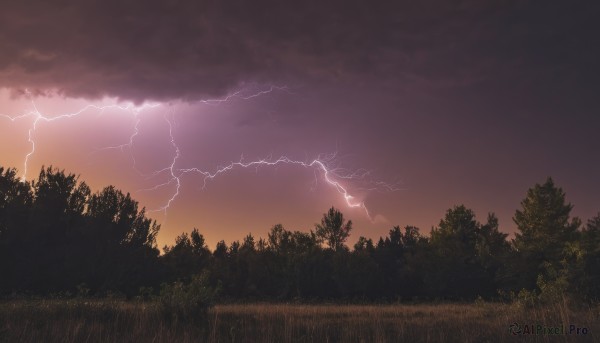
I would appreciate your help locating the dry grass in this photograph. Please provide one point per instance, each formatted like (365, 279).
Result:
(482, 322)
(118, 321)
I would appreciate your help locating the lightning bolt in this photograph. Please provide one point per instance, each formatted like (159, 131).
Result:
(171, 170)
(128, 145)
(320, 163)
(323, 164)
(38, 117)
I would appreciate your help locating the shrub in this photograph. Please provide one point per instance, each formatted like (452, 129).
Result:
(181, 301)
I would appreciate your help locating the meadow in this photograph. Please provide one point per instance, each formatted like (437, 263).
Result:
(84, 320)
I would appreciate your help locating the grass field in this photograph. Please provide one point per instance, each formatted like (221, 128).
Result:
(120, 321)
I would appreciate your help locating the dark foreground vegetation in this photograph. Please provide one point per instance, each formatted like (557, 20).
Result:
(106, 320)
(58, 239)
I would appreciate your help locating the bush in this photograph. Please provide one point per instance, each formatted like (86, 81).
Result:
(180, 301)
(553, 290)
(527, 298)
(145, 294)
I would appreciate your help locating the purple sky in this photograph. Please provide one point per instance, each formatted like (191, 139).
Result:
(466, 102)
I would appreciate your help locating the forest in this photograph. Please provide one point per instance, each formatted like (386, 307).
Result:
(59, 238)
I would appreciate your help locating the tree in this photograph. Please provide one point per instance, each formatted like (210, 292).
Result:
(364, 245)
(457, 232)
(198, 243)
(279, 239)
(459, 255)
(51, 252)
(491, 243)
(333, 229)
(189, 255)
(587, 272)
(122, 242)
(412, 237)
(16, 198)
(545, 230)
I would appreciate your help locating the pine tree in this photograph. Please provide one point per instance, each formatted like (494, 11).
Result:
(545, 231)
(544, 223)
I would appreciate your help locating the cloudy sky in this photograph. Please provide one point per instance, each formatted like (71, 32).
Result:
(414, 107)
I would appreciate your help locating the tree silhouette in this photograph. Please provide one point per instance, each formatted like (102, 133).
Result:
(586, 273)
(189, 256)
(58, 236)
(333, 229)
(16, 199)
(459, 255)
(545, 230)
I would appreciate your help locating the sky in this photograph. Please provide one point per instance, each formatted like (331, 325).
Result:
(409, 108)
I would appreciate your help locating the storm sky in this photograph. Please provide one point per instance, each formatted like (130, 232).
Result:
(450, 102)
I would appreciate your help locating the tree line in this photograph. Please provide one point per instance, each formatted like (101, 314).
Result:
(58, 237)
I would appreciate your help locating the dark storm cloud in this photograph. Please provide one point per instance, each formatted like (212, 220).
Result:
(193, 49)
